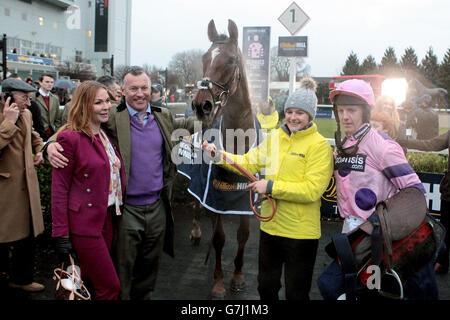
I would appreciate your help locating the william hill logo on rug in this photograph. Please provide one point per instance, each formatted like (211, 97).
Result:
(225, 186)
(354, 163)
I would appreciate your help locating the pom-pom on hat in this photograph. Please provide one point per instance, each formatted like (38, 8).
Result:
(304, 98)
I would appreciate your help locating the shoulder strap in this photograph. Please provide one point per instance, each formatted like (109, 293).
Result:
(376, 239)
(348, 264)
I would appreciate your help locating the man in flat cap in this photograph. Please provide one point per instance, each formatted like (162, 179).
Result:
(20, 215)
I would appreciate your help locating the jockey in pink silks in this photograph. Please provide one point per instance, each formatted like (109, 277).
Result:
(369, 165)
(369, 168)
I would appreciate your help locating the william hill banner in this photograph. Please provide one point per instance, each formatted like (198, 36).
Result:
(293, 46)
(30, 59)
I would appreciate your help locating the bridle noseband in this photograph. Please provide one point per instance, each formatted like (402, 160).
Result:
(207, 84)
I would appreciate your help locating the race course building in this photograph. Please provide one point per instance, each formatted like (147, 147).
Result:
(42, 33)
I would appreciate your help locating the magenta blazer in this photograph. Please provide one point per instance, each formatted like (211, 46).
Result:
(80, 190)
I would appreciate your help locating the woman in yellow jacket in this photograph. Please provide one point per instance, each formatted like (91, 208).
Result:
(297, 162)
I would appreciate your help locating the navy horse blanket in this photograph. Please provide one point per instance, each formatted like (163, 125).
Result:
(217, 189)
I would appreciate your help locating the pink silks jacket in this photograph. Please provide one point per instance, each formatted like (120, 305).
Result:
(377, 172)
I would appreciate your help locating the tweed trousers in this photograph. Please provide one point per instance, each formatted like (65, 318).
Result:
(138, 247)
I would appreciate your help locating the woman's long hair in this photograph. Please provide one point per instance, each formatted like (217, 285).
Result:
(386, 120)
(379, 107)
(81, 108)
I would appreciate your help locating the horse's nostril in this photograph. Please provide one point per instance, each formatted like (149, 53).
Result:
(207, 107)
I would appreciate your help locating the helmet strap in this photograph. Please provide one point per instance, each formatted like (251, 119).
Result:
(337, 133)
(339, 142)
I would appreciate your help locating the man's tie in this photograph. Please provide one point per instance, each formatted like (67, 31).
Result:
(142, 117)
(47, 101)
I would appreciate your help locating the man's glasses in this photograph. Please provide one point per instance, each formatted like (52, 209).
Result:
(22, 98)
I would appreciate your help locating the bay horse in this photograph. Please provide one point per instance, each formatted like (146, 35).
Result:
(223, 92)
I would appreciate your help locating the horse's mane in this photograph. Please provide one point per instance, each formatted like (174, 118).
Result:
(417, 82)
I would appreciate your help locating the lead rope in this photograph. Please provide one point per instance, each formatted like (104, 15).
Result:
(252, 178)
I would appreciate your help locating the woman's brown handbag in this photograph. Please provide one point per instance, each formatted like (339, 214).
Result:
(69, 285)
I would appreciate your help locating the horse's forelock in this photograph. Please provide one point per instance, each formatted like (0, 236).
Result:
(221, 38)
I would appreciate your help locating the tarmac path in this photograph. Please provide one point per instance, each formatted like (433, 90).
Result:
(186, 277)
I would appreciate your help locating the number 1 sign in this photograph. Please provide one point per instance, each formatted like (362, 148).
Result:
(293, 18)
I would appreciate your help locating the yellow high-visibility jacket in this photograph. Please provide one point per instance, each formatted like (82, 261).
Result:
(298, 167)
(268, 122)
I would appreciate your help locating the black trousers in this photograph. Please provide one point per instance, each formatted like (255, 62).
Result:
(17, 260)
(443, 257)
(298, 257)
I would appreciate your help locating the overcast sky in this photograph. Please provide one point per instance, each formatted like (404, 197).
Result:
(164, 27)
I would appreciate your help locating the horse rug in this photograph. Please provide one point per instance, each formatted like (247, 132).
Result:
(217, 189)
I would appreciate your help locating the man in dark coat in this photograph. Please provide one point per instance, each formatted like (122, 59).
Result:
(426, 120)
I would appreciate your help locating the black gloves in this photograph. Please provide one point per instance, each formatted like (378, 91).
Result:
(63, 246)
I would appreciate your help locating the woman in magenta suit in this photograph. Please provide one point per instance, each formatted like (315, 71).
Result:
(87, 193)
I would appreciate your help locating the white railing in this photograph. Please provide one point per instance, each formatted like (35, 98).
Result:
(330, 106)
(332, 143)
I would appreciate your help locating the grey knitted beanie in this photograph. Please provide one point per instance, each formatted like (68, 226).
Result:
(304, 98)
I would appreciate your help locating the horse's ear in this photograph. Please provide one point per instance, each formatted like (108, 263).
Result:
(233, 31)
(212, 32)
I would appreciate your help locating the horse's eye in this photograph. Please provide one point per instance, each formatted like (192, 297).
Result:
(231, 60)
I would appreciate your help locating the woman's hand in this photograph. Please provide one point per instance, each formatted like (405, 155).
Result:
(209, 148)
(259, 186)
(64, 248)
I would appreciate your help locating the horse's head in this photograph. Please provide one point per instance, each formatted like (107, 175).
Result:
(222, 72)
(415, 87)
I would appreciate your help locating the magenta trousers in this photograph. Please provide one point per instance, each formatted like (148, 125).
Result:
(96, 263)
